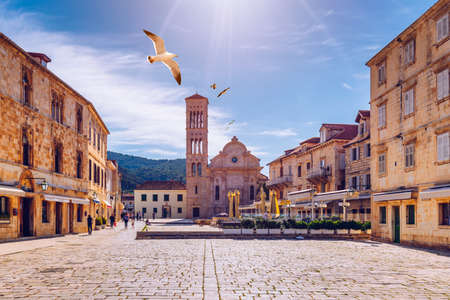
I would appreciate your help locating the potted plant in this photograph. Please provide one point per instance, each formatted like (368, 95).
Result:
(289, 226)
(355, 227)
(301, 227)
(327, 227)
(315, 227)
(367, 227)
(98, 223)
(339, 227)
(231, 228)
(248, 226)
(274, 227)
(262, 226)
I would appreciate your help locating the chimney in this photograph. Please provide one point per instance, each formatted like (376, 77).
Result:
(40, 58)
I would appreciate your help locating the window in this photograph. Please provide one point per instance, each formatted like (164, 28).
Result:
(4, 208)
(217, 197)
(442, 28)
(94, 136)
(382, 116)
(366, 182)
(79, 165)
(143, 197)
(281, 171)
(308, 166)
(58, 158)
(144, 210)
(180, 210)
(26, 86)
(281, 194)
(155, 210)
(193, 169)
(45, 205)
(322, 163)
(382, 163)
(408, 102)
(196, 190)
(367, 150)
(355, 153)
(90, 170)
(155, 197)
(90, 131)
(444, 213)
(166, 197)
(290, 170)
(443, 146)
(57, 107)
(79, 213)
(199, 169)
(79, 119)
(323, 135)
(382, 73)
(355, 182)
(442, 82)
(26, 149)
(409, 155)
(368, 211)
(382, 214)
(362, 128)
(180, 197)
(410, 215)
(98, 141)
(299, 171)
(252, 192)
(409, 52)
(354, 211)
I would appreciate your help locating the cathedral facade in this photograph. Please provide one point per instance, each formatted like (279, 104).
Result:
(234, 168)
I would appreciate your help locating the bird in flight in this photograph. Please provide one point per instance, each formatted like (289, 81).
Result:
(223, 92)
(213, 86)
(163, 56)
(229, 124)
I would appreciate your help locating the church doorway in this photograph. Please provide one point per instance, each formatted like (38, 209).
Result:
(195, 212)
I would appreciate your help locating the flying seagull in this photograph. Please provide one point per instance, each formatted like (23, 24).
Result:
(163, 56)
(213, 86)
(223, 92)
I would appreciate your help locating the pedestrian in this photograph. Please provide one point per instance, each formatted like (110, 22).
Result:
(111, 219)
(89, 221)
(154, 215)
(125, 219)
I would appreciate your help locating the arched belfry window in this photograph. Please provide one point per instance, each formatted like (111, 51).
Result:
(193, 169)
(26, 148)
(199, 169)
(217, 193)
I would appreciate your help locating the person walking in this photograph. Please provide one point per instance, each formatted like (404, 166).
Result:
(112, 218)
(89, 221)
(125, 219)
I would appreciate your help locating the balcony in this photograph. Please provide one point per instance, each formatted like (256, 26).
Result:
(319, 175)
(283, 180)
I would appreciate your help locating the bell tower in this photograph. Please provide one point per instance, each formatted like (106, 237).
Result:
(197, 157)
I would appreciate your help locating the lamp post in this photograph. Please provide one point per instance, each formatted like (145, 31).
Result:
(43, 184)
(345, 204)
(321, 206)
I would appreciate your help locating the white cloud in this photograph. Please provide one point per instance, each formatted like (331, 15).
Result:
(280, 132)
(329, 13)
(137, 107)
(346, 86)
(162, 152)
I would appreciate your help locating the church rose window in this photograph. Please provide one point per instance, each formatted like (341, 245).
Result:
(234, 159)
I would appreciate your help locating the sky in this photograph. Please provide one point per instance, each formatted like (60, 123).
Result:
(291, 65)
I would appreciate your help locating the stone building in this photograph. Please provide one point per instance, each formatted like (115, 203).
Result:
(357, 169)
(43, 148)
(161, 199)
(113, 188)
(313, 168)
(234, 168)
(97, 165)
(128, 203)
(410, 109)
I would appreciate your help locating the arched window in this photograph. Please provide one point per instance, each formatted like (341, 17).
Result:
(58, 158)
(79, 165)
(192, 146)
(193, 169)
(190, 119)
(201, 120)
(252, 192)
(26, 86)
(196, 190)
(199, 169)
(217, 192)
(79, 119)
(26, 149)
(200, 147)
(90, 131)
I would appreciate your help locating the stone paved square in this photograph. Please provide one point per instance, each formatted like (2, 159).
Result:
(111, 264)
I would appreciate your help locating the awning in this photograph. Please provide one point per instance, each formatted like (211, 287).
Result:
(393, 195)
(80, 200)
(302, 195)
(436, 192)
(106, 203)
(334, 195)
(11, 191)
(56, 198)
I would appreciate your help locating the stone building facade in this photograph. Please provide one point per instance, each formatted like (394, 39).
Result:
(43, 148)
(161, 199)
(410, 109)
(234, 168)
(114, 189)
(316, 166)
(357, 169)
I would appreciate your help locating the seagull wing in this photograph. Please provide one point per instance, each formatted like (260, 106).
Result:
(174, 68)
(223, 92)
(158, 42)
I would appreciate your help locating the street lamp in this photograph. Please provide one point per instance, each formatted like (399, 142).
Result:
(43, 184)
(321, 206)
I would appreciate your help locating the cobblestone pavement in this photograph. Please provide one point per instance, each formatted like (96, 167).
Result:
(112, 265)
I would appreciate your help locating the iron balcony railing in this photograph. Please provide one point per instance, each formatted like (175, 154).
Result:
(280, 180)
(319, 172)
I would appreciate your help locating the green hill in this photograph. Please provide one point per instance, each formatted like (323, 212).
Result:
(136, 170)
